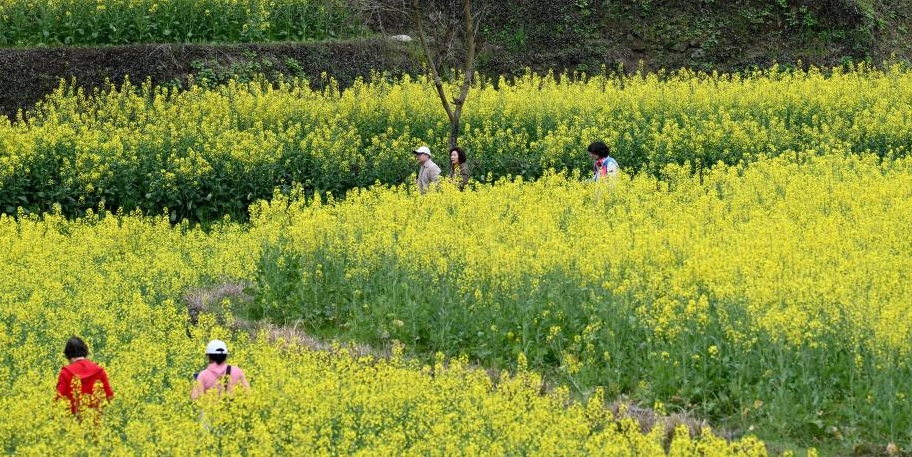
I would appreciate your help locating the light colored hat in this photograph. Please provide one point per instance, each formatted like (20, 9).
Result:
(216, 347)
(423, 150)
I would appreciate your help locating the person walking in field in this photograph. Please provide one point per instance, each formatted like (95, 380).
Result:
(82, 382)
(218, 375)
(604, 166)
(459, 169)
(428, 171)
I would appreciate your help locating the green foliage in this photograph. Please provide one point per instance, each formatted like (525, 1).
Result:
(211, 73)
(107, 22)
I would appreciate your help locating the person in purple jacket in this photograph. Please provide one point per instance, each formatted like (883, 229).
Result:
(604, 166)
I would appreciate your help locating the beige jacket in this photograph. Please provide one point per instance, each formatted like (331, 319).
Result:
(427, 174)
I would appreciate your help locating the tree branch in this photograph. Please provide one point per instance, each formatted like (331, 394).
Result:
(469, 68)
(416, 17)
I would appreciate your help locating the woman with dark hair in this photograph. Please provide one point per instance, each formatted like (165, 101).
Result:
(603, 166)
(82, 382)
(459, 169)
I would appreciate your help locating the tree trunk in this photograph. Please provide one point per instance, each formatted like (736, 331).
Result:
(468, 72)
(454, 134)
(454, 109)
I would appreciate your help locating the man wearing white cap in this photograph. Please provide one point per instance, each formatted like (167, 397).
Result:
(218, 375)
(428, 171)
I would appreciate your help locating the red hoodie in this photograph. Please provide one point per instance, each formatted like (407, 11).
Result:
(86, 375)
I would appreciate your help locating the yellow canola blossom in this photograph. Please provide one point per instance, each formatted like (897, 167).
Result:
(319, 404)
(120, 281)
(778, 281)
(804, 246)
(205, 152)
(687, 278)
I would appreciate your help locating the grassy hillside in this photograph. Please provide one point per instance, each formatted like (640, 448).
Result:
(702, 34)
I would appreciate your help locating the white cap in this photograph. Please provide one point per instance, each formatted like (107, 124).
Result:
(423, 150)
(216, 347)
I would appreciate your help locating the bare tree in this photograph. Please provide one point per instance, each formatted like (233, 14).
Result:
(453, 107)
(440, 46)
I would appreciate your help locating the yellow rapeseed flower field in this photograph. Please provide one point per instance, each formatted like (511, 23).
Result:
(749, 266)
(768, 296)
(204, 153)
(117, 280)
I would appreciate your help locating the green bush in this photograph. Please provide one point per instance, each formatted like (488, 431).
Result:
(103, 22)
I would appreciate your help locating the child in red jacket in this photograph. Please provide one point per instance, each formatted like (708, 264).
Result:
(82, 382)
